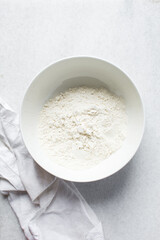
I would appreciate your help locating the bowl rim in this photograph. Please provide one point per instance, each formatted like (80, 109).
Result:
(94, 58)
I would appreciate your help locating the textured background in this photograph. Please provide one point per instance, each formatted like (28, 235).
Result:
(127, 33)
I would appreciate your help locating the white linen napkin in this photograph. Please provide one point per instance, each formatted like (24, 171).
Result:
(47, 207)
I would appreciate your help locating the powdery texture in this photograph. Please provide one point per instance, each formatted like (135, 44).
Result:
(82, 126)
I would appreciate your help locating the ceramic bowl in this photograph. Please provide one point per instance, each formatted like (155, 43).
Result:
(74, 72)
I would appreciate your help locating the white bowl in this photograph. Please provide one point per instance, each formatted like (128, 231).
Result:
(80, 71)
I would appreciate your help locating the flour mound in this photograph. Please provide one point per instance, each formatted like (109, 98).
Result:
(82, 126)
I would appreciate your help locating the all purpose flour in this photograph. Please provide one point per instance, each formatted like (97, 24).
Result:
(82, 126)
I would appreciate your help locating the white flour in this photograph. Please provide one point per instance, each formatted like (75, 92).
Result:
(82, 126)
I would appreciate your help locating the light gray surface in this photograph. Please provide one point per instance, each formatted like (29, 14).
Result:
(125, 32)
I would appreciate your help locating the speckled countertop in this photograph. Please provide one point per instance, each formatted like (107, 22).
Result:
(124, 32)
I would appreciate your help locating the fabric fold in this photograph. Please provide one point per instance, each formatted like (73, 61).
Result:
(47, 207)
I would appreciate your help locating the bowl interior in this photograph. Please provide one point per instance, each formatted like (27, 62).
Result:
(74, 72)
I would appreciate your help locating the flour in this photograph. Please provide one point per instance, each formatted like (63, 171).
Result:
(82, 126)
